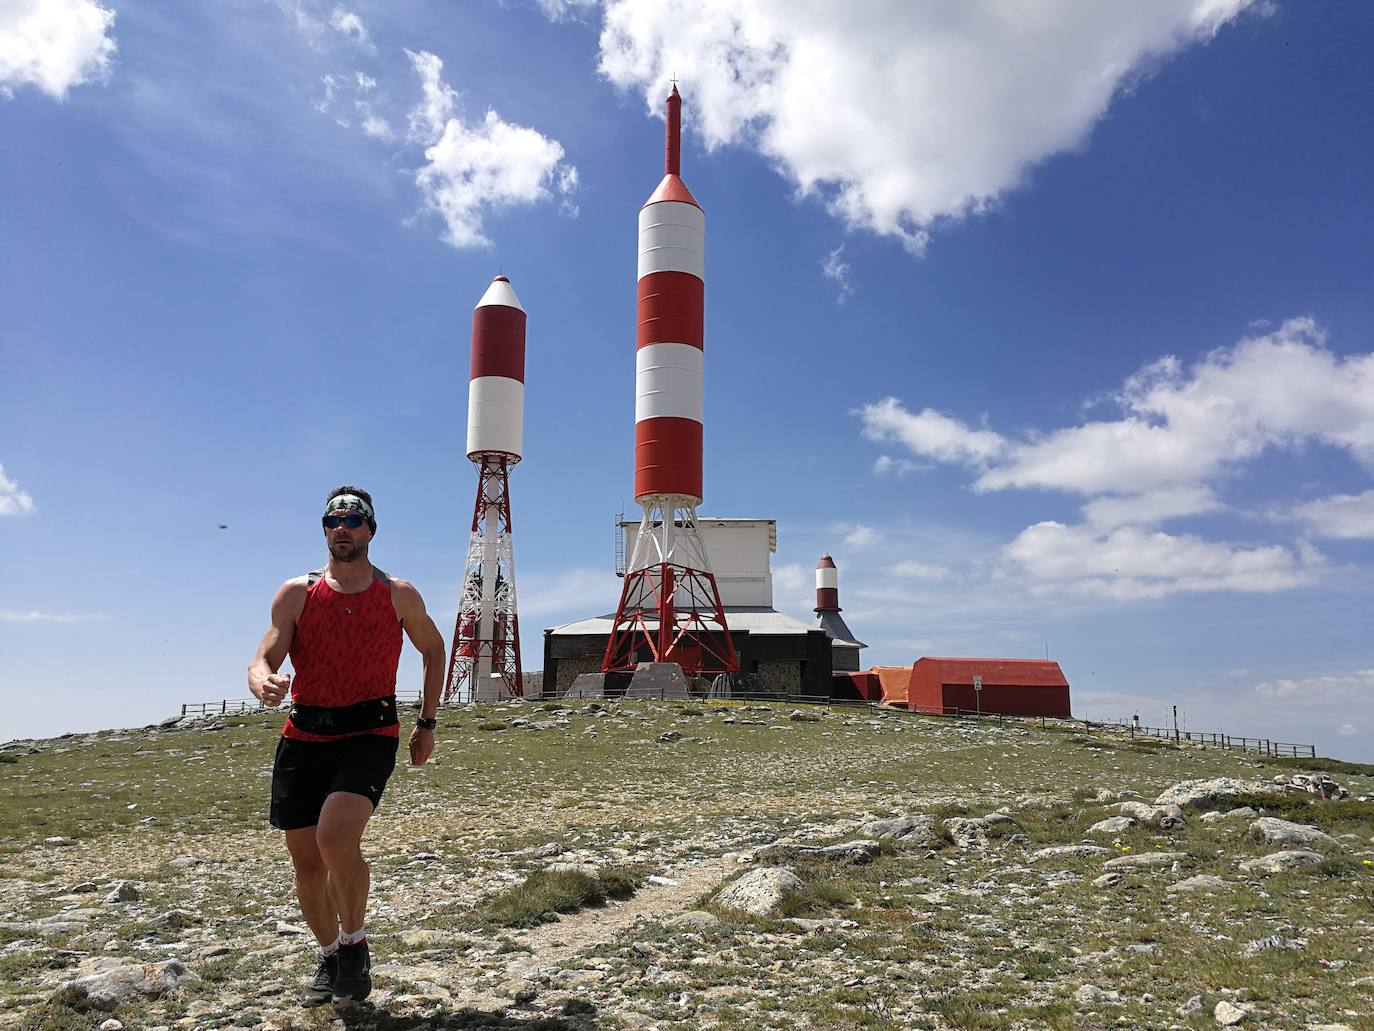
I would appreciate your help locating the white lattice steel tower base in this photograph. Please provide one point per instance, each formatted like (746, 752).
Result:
(485, 661)
(670, 608)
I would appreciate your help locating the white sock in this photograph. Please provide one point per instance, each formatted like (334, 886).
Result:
(352, 937)
(328, 950)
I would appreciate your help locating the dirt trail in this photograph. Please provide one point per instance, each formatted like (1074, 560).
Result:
(554, 944)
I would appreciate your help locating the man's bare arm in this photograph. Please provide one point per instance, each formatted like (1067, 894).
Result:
(263, 681)
(425, 636)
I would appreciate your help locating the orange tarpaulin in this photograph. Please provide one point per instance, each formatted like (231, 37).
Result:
(894, 681)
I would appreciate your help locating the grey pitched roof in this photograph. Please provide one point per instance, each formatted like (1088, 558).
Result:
(834, 625)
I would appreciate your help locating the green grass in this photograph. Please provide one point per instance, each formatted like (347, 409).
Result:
(1319, 764)
(1334, 817)
(543, 895)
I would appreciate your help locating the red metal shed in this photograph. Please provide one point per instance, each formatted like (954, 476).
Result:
(861, 686)
(1011, 687)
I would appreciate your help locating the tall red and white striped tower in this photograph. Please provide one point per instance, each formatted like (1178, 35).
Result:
(485, 660)
(670, 609)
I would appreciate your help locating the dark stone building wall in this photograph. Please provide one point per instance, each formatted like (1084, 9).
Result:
(794, 664)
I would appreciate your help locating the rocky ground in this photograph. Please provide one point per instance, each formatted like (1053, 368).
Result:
(821, 868)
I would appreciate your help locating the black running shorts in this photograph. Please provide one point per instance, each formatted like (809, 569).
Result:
(305, 773)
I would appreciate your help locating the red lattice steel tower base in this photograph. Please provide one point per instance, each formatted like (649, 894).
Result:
(670, 605)
(484, 663)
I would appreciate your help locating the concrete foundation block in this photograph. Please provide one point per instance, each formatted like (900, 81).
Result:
(658, 680)
(587, 685)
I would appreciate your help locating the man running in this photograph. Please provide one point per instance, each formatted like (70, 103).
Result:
(342, 627)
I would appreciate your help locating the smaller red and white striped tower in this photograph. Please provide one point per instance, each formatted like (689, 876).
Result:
(670, 609)
(485, 660)
(844, 646)
(827, 585)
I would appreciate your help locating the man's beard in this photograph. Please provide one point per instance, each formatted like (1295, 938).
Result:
(345, 551)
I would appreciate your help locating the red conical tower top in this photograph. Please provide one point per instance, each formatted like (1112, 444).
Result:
(672, 187)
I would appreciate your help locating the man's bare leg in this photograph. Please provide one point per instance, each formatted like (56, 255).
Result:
(312, 885)
(338, 838)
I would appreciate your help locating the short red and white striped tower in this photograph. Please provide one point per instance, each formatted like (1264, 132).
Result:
(827, 585)
(845, 647)
(670, 609)
(485, 659)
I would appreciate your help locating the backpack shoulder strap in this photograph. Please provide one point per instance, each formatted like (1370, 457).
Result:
(378, 574)
(313, 577)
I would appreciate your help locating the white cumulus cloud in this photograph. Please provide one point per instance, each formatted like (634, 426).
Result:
(1151, 507)
(929, 433)
(897, 114)
(1325, 690)
(472, 169)
(54, 44)
(1128, 563)
(1347, 729)
(1341, 516)
(1179, 425)
(1181, 430)
(861, 537)
(1183, 425)
(13, 501)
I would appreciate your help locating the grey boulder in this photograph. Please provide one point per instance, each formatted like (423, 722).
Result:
(1068, 852)
(1202, 882)
(1113, 825)
(917, 829)
(1282, 862)
(761, 892)
(108, 981)
(1281, 832)
(1145, 860)
(1211, 793)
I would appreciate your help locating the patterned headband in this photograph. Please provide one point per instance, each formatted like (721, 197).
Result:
(352, 503)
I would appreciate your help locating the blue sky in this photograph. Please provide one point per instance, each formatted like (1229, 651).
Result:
(1054, 328)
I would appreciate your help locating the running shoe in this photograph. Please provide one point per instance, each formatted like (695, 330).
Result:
(354, 979)
(321, 989)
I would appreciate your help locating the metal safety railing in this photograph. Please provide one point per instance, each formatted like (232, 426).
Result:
(1217, 739)
(239, 706)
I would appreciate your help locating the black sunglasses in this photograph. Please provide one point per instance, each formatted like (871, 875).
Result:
(352, 521)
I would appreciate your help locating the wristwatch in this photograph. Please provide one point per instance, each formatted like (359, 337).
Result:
(427, 724)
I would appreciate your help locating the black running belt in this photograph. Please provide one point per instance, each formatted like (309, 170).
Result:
(345, 719)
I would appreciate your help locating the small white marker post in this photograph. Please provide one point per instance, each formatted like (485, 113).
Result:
(978, 692)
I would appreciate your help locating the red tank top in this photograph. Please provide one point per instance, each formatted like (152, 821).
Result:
(346, 650)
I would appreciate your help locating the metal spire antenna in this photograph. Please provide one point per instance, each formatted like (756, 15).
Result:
(485, 659)
(670, 608)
